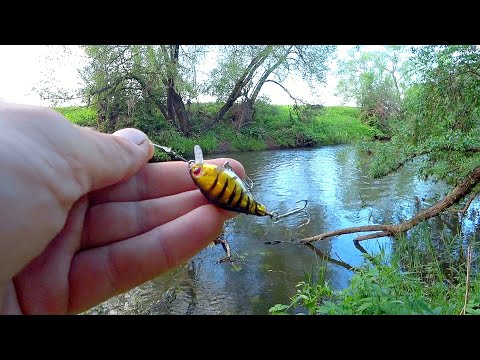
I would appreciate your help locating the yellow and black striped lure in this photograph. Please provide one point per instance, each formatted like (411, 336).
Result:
(222, 186)
(225, 189)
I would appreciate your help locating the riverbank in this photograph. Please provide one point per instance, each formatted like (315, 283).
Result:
(273, 127)
(426, 273)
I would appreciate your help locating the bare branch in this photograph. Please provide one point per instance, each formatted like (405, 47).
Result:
(467, 205)
(286, 90)
(350, 230)
(458, 193)
(322, 255)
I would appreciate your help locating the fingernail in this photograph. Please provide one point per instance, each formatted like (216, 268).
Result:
(134, 135)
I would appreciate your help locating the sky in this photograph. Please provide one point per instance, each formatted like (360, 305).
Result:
(24, 66)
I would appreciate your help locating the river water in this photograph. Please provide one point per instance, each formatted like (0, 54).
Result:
(340, 194)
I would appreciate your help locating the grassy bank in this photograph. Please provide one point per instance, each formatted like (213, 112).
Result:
(424, 274)
(274, 126)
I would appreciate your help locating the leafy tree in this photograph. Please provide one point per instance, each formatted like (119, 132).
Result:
(158, 78)
(242, 71)
(142, 83)
(440, 127)
(442, 115)
(376, 81)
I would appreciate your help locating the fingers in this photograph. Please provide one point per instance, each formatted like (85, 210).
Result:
(114, 221)
(97, 274)
(156, 180)
(107, 159)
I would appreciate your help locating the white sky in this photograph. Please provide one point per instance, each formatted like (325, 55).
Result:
(24, 66)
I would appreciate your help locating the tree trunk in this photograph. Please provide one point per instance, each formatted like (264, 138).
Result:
(241, 83)
(181, 113)
(175, 106)
(170, 101)
(245, 114)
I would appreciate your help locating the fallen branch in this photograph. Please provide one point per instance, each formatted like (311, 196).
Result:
(328, 258)
(458, 193)
(467, 205)
(424, 152)
(404, 161)
(384, 230)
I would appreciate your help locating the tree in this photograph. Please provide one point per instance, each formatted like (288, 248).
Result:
(442, 120)
(242, 71)
(158, 77)
(377, 81)
(125, 82)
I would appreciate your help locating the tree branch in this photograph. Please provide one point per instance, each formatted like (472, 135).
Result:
(458, 193)
(267, 73)
(286, 90)
(467, 205)
(247, 75)
(319, 253)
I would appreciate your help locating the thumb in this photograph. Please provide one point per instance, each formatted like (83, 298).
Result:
(111, 158)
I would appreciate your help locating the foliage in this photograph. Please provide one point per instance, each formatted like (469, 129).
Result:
(413, 280)
(130, 83)
(83, 116)
(151, 86)
(441, 123)
(377, 81)
(242, 71)
(276, 62)
(274, 126)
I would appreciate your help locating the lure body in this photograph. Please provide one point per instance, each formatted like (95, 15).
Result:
(225, 189)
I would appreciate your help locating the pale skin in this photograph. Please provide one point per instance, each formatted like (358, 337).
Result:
(84, 216)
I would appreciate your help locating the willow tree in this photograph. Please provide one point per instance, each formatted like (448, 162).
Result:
(122, 79)
(242, 71)
(376, 80)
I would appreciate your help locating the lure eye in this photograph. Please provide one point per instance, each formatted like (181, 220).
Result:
(196, 172)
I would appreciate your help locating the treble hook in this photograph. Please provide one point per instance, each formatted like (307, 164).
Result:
(170, 151)
(276, 217)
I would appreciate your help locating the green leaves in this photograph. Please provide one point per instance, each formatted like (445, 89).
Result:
(440, 118)
(382, 287)
(376, 80)
(242, 70)
(279, 309)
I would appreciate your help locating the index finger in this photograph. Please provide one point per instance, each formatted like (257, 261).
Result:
(156, 180)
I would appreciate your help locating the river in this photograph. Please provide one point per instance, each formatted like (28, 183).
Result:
(340, 194)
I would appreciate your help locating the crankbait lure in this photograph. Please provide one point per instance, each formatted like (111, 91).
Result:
(223, 187)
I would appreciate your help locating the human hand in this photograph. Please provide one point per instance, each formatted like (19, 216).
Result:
(84, 217)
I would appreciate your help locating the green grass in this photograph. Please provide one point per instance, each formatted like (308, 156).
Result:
(83, 116)
(274, 126)
(426, 274)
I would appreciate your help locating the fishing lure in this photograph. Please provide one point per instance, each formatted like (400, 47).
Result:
(224, 188)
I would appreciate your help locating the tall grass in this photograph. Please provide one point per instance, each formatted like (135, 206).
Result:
(426, 273)
(83, 116)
